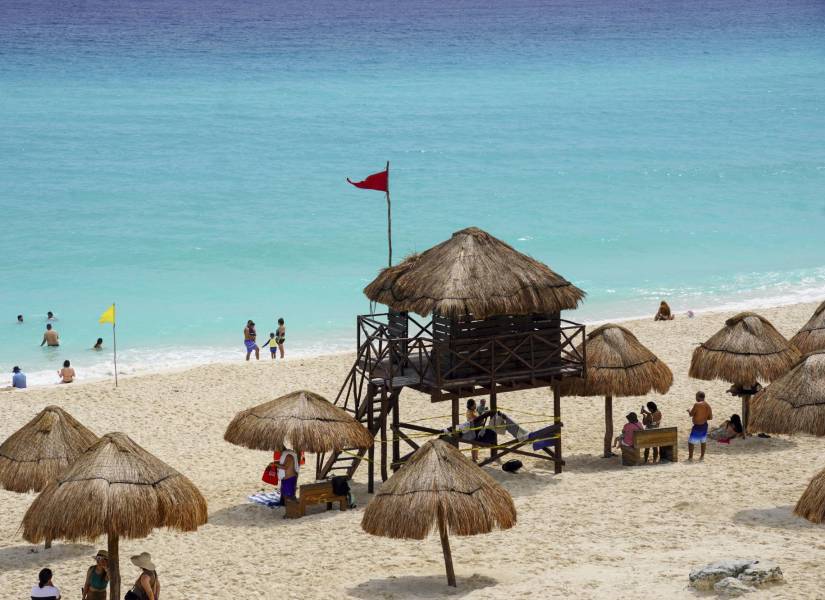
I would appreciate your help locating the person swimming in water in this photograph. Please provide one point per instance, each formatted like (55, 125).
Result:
(98, 344)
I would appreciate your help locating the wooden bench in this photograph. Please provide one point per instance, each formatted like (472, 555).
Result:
(313, 493)
(664, 438)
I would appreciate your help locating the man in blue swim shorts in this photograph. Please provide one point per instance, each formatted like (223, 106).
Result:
(249, 336)
(701, 413)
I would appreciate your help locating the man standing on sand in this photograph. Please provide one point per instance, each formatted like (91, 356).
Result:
(249, 336)
(50, 337)
(701, 414)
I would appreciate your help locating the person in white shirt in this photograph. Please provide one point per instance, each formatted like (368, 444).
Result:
(45, 590)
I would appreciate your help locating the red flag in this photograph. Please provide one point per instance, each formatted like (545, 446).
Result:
(376, 181)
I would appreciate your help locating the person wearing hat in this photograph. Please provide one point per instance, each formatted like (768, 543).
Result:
(18, 378)
(147, 586)
(97, 577)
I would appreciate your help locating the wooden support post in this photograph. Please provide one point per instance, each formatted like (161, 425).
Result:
(48, 544)
(557, 419)
(371, 451)
(455, 438)
(746, 410)
(114, 567)
(396, 439)
(445, 547)
(608, 427)
(384, 440)
(493, 409)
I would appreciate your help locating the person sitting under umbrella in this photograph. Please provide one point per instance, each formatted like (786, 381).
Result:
(626, 439)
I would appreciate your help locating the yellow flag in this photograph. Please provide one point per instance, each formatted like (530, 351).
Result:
(108, 316)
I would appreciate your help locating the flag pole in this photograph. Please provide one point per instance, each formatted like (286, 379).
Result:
(114, 339)
(389, 216)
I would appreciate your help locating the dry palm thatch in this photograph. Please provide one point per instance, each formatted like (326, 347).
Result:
(618, 364)
(812, 335)
(39, 451)
(746, 350)
(794, 403)
(438, 487)
(115, 488)
(473, 273)
(811, 505)
(300, 420)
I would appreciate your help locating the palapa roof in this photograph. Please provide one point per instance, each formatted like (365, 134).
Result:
(746, 350)
(407, 504)
(114, 487)
(40, 450)
(812, 335)
(794, 403)
(473, 273)
(300, 420)
(618, 364)
(811, 504)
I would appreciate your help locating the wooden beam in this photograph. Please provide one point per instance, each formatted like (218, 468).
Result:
(608, 427)
(557, 419)
(445, 547)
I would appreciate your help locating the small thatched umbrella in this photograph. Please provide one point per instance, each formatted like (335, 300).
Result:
(473, 273)
(794, 403)
(439, 487)
(117, 489)
(618, 364)
(747, 349)
(36, 453)
(812, 335)
(302, 420)
(811, 505)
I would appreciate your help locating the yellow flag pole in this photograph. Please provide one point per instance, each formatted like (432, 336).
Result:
(114, 339)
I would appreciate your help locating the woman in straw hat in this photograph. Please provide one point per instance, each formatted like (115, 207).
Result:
(97, 577)
(147, 586)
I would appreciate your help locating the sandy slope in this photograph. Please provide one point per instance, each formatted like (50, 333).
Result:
(596, 531)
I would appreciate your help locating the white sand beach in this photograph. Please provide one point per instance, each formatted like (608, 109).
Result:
(599, 530)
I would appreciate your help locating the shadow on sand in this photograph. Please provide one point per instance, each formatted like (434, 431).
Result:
(419, 586)
(751, 445)
(30, 557)
(780, 517)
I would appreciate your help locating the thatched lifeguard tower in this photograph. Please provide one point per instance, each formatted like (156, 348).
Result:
(494, 326)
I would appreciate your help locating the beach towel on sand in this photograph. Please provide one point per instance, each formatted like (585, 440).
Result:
(270, 499)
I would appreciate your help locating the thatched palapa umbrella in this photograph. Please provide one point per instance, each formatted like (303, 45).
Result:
(302, 421)
(36, 453)
(746, 350)
(811, 504)
(115, 488)
(794, 403)
(812, 335)
(618, 364)
(439, 487)
(473, 273)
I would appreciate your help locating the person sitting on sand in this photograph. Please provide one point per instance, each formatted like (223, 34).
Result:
(288, 467)
(67, 373)
(97, 577)
(651, 419)
(730, 429)
(18, 378)
(626, 438)
(664, 313)
(249, 336)
(50, 337)
(272, 344)
(45, 589)
(701, 413)
(98, 344)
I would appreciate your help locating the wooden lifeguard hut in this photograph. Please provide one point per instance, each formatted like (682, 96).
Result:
(494, 326)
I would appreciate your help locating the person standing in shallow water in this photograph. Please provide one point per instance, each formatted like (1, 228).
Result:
(280, 336)
(50, 338)
(249, 335)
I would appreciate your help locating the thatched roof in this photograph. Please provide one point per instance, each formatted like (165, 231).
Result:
(407, 504)
(300, 420)
(115, 487)
(811, 505)
(40, 450)
(746, 350)
(473, 273)
(618, 364)
(812, 335)
(794, 403)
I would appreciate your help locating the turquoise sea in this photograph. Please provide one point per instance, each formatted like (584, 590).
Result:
(187, 160)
